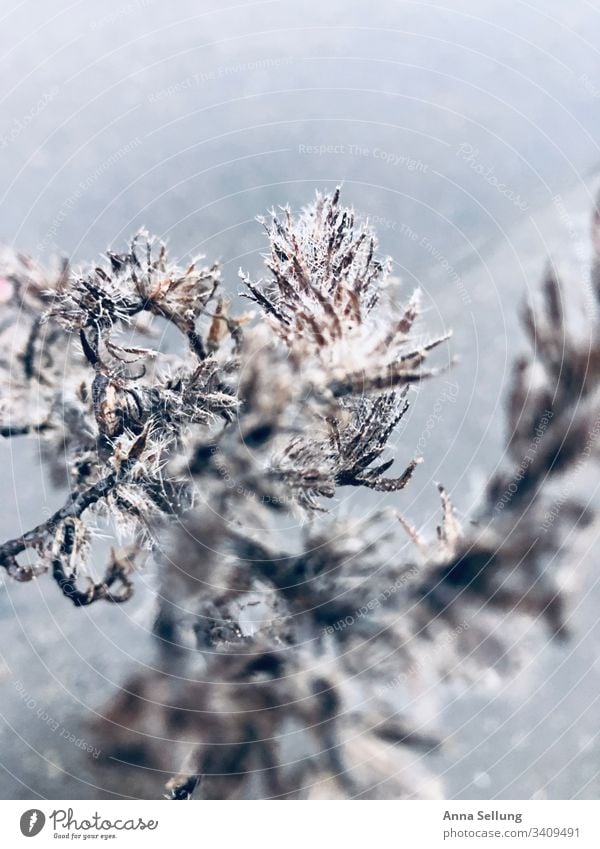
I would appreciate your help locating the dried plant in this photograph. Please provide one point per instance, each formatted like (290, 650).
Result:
(284, 669)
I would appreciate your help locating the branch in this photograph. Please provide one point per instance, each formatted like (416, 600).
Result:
(116, 572)
(77, 504)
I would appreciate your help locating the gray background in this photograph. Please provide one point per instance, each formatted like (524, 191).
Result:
(191, 119)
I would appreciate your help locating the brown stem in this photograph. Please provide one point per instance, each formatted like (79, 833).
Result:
(77, 504)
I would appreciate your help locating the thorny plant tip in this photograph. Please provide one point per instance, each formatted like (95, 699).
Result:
(251, 417)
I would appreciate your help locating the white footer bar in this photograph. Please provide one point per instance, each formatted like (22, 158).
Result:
(310, 825)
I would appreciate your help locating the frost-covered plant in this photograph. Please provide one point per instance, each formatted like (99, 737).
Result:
(284, 669)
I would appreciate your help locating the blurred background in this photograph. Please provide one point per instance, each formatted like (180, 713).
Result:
(467, 132)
